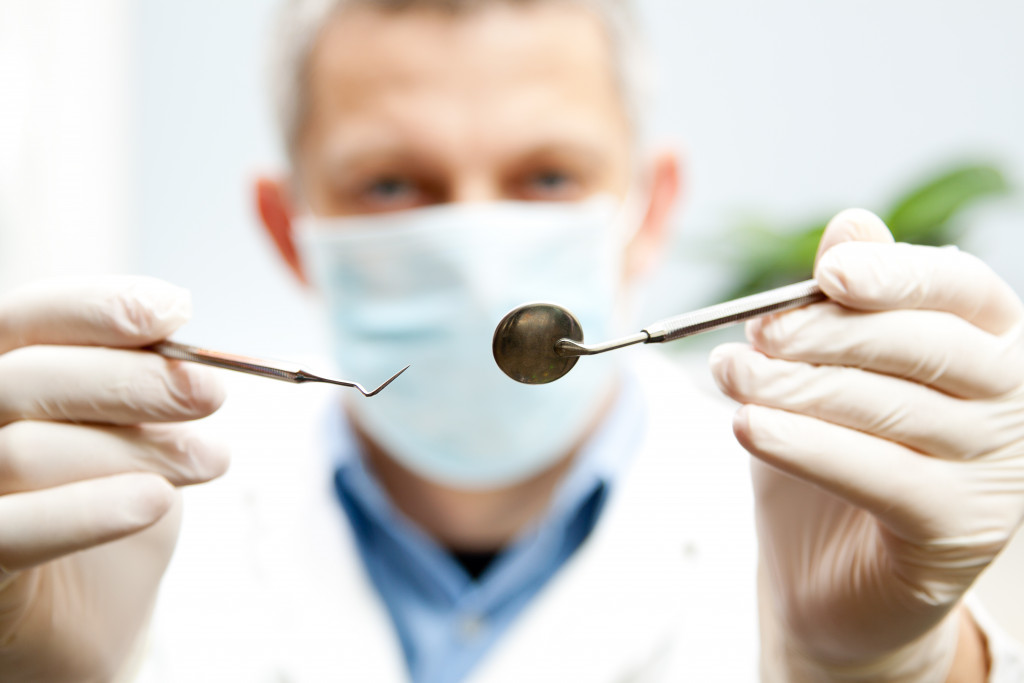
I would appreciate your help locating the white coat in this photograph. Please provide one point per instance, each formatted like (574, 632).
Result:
(266, 585)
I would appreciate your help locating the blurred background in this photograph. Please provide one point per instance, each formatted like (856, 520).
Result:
(130, 133)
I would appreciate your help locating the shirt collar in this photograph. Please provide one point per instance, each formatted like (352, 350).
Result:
(600, 462)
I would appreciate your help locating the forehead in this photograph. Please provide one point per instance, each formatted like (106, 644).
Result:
(483, 80)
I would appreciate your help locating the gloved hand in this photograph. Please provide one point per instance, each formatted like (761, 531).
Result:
(888, 430)
(88, 456)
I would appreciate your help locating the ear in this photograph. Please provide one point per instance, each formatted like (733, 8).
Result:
(665, 181)
(273, 202)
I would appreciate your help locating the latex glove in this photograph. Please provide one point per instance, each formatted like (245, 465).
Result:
(888, 427)
(87, 456)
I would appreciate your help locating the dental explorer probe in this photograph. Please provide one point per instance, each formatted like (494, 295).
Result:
(285, 372)
(538, 343)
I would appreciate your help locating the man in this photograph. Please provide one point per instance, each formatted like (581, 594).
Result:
(450, 160)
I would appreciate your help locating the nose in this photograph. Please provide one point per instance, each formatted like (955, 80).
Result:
(475, 186)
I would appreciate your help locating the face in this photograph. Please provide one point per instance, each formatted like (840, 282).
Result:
(412, 108)
(421, 107)
(408, 109)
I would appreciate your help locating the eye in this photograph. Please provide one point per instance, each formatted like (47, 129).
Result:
(552, 185)
(390, 190)
(551, 181)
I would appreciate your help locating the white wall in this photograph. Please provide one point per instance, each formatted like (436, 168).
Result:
(791, 109)
(794, 109)
(152, 115)
(66, 116)
(205, 132)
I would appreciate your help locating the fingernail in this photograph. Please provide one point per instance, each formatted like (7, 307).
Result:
(207, 458)
(716, 358)
(197, 390)
(752, 328)
(720, 362)
(152, 308)
(829, 275)
(741, 420)
(147, 498)
(169, 302)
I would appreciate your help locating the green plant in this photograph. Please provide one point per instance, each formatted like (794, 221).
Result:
(763, 256)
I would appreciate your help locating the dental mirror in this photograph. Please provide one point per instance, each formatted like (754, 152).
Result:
(540, 342)
(524, 344)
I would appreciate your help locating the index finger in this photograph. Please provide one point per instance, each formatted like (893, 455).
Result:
(878, 277)
(118, 311)
(860, 267)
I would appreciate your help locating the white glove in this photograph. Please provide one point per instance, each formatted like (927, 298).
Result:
(81, 465)
(888, 427)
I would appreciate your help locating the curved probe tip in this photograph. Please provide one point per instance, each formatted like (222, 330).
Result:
(381, 387)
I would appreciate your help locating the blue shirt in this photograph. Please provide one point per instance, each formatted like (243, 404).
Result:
(446, 621)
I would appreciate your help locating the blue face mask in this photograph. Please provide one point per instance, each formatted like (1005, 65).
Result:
(427, 287)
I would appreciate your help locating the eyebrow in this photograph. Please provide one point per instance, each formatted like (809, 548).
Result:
(578, 151)
(356, 154)
(340, 161)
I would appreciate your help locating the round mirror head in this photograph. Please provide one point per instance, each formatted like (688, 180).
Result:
(524, 343)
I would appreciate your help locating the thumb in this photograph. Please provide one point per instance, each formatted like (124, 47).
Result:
(852, 225)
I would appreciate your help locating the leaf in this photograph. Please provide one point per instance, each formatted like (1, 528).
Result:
(923, 216)
(763, 256)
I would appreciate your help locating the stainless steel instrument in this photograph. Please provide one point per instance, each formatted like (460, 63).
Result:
(540, 342)
(285, 372)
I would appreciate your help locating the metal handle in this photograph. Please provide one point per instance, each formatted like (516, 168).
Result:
(738, 310)
(229, 361)
(286, 372)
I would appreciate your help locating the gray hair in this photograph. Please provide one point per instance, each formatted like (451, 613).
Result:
(299, 23)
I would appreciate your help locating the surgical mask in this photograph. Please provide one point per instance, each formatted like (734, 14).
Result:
(427, 287)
